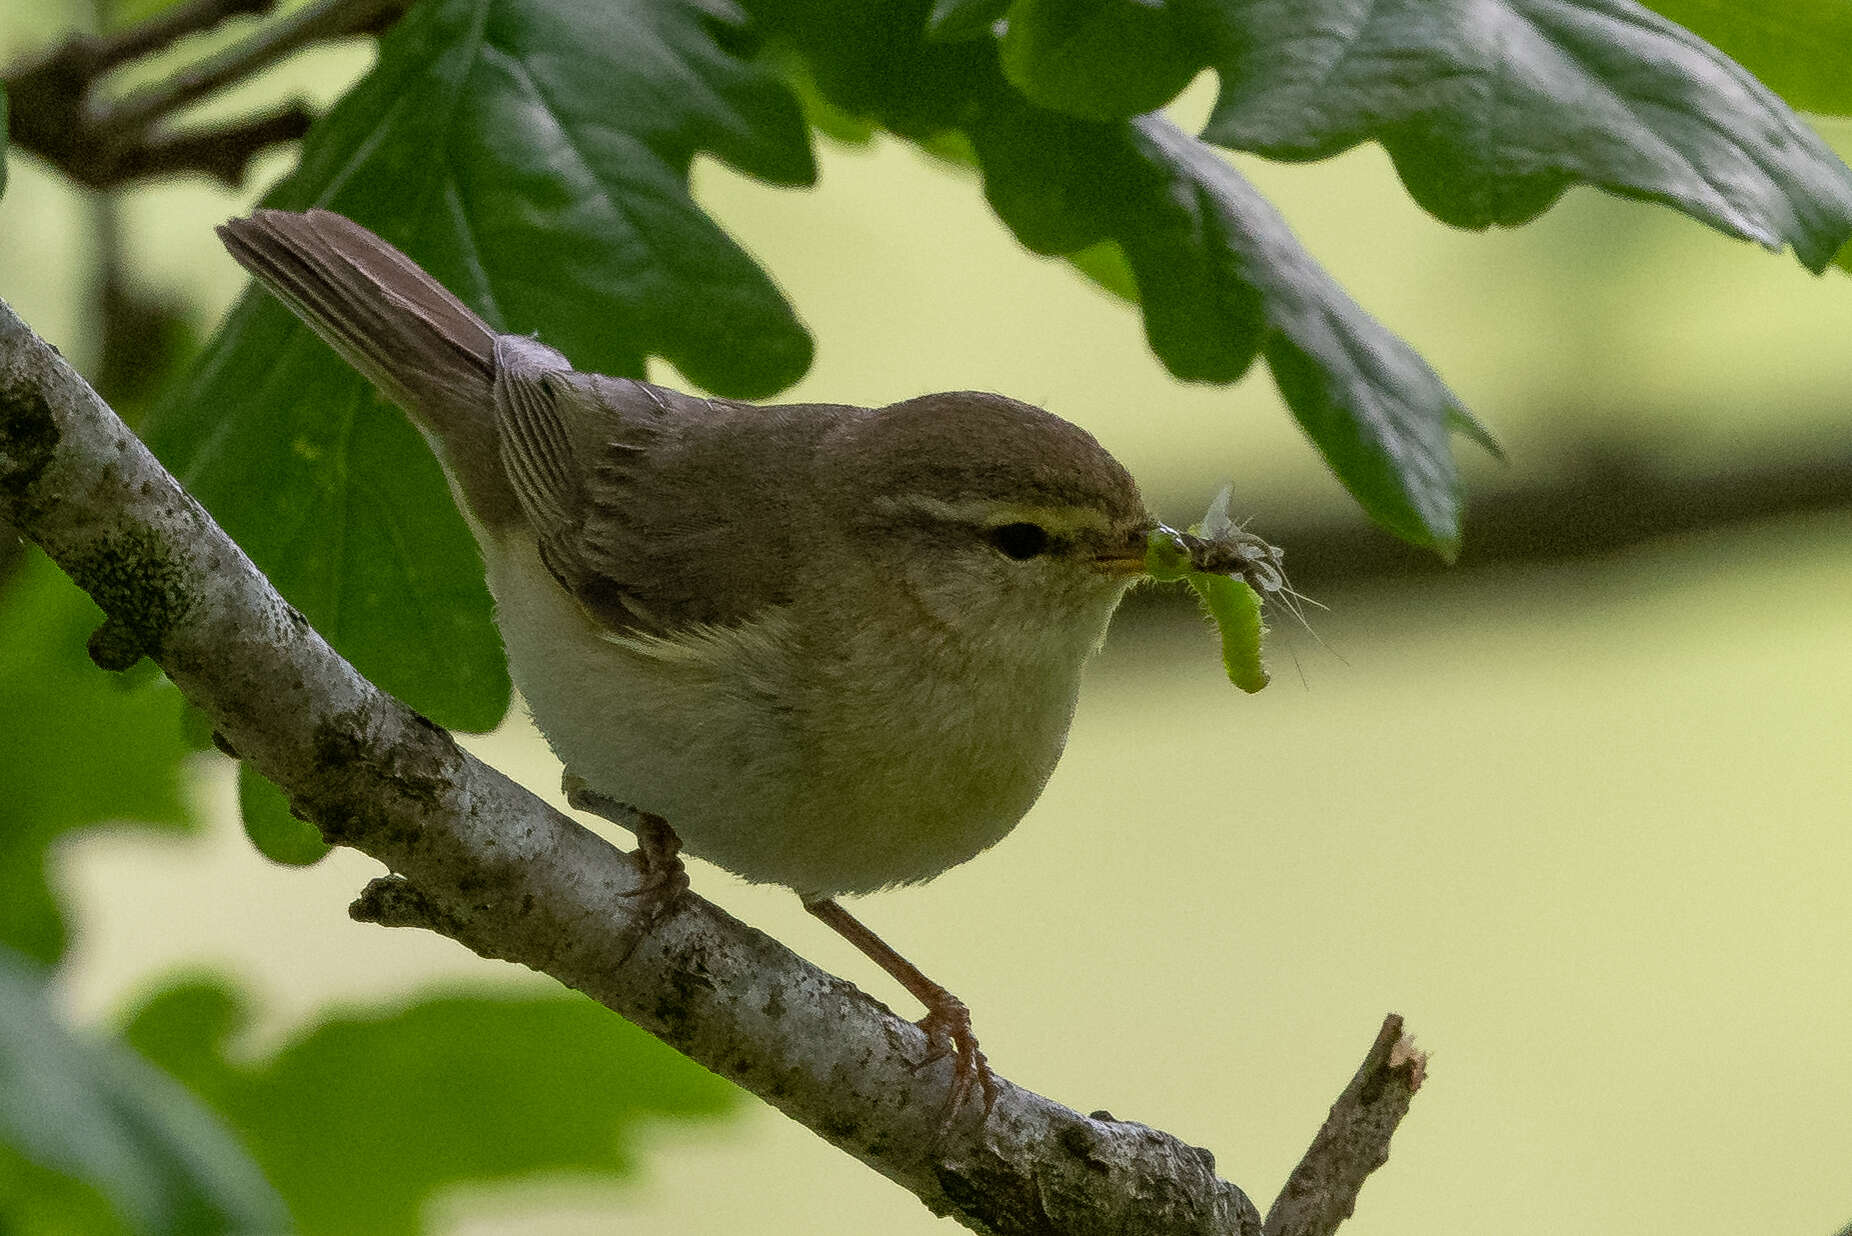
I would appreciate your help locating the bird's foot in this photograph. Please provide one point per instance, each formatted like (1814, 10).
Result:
(659, 853)
(947, 1026)
(659, 850)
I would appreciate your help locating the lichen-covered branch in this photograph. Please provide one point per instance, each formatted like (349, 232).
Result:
(477, 858)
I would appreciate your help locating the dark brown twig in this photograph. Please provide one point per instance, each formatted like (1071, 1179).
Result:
(59, 112)
(317, 23)
(223, 152)
(163, 30)
(1610, 497)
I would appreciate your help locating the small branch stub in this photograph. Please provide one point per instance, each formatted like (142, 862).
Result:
(1354, 1141)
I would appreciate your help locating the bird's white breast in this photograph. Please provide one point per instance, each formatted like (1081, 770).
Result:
(846, 769)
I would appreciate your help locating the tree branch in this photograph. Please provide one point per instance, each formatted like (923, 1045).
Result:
(58, 112)
(1354, 1141)
(478, 859)
(1613, 495)
(223, 152)
(315, 23)
(164, 29)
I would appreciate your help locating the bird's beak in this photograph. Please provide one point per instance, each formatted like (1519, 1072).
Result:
(1121, 562)
(1127, 559)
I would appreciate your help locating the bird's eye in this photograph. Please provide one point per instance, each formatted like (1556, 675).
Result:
(1019, 541)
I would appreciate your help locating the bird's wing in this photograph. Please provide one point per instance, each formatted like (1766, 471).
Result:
(656, 510)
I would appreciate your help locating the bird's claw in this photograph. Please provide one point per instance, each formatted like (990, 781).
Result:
(659, 850)
(947, 1027)
(659, 853)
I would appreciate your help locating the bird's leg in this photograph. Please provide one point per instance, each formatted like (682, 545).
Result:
(659, 850)
(947, 1019)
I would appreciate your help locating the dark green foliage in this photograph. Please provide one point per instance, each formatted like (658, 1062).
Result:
(964, 19)
(84, 1122)
(1492, 109)
(1220, 276)
(361, 1119)
(1222, 279)
(1104, 61)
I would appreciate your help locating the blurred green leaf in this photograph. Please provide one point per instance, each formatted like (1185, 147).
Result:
(1101, 59)
(38, 1201)
(361, 1119)
(195, 727)
(148, 339)
(118, 14)
(82, 747)
(3, 133)
(951, 20)
(278, 835)
(1801, 49)
(87, 1111)
(819, 113)
(1492, 108)
(534, 155)
(1104, 263)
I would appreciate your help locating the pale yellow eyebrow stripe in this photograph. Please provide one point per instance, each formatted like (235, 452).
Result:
(985, 514)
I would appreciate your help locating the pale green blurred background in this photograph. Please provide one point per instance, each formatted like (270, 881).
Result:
(1585, 824)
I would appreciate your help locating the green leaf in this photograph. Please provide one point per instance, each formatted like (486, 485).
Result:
(953, 20)
(120, 14)
(819, 112)
(88, 1111)
(195, 727)
(1101, 59)
(1492, 108)
(278, 835)
(361, 1119)
(534, 155)
(82, 747)
(1104, 263)
(1222, 279)
(1801, 49)
(3, 133)
(40, 1201)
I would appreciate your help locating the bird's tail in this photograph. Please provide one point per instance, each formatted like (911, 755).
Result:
(420, 345)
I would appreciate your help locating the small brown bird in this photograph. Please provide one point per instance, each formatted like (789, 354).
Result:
(828, 647)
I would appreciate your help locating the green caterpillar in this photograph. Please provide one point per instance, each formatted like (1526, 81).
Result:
(1219, 561)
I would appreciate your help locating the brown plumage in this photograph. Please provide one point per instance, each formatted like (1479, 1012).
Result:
(656, 510)
(833, 648)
